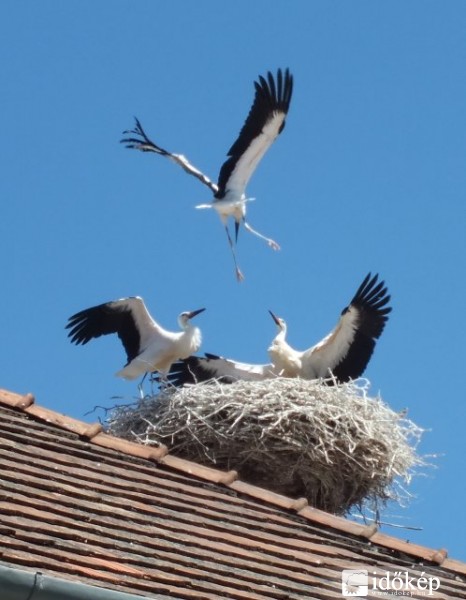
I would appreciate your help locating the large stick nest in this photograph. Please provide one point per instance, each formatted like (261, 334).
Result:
(334, 445)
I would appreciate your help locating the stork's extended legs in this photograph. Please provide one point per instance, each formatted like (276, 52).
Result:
(269, 241)
(239, 275)
(155, 377)
(140, 388)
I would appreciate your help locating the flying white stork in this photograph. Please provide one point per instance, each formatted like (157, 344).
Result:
(148, 346)
(264, 123)
(344, 353)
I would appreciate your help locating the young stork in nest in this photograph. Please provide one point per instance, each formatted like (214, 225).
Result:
(264, 123)
(346, 351)
(210, 367)
(148, 346)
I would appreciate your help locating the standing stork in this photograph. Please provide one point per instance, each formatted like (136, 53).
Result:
(264, 123)
(346, 351)
(148, 346)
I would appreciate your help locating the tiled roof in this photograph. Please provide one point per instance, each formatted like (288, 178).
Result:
(77, 503)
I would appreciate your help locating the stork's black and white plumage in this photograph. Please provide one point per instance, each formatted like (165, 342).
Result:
(264, 123)
(346, 351)
(148, 346)
(342, 355)
(210, 367)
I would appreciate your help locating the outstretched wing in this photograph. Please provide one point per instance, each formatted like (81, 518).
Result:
(264, 123)
(347, 350)
(197, 369)
(143, 143)
(128, 317)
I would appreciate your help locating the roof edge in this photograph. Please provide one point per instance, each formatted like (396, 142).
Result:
(160, 454)
(18, 583)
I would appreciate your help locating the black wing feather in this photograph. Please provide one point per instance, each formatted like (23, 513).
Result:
(105, 319)
(371, 301)
(142, 142)
(269, 98)
(145, 144)
(196, 369)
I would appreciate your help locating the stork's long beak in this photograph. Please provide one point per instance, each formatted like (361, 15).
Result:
(275, 318)
(193, 313)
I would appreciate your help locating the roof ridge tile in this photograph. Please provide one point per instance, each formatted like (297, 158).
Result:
(152, 453)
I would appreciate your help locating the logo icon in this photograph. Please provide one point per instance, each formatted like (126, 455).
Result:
(354, 582)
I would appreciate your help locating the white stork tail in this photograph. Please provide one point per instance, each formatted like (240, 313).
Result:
(265, 121)
(345, 352)
(148, 346)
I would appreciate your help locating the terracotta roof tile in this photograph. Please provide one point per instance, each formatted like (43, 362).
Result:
(80, 504)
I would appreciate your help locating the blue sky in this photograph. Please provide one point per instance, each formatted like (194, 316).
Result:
(369, 175)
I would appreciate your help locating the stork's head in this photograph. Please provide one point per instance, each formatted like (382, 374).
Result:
(185, 317)
(279, 322)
